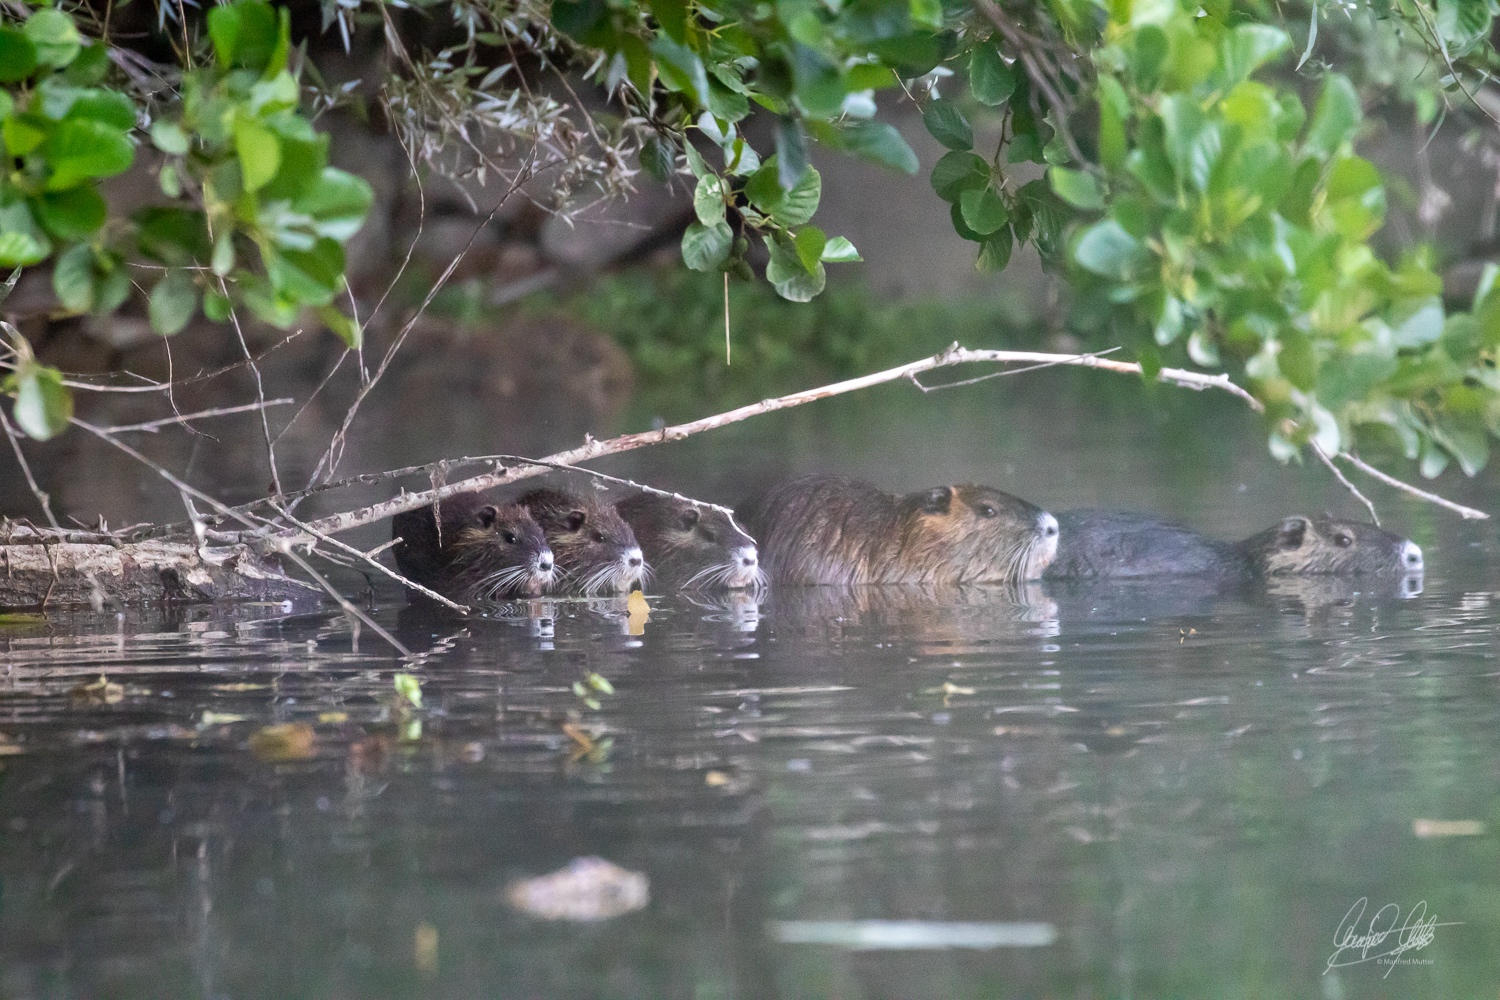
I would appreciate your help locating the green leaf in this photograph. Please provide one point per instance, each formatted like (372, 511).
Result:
(79, 149)
(169, 137)
(1247, 47)
(345, 328)
(1108, 250)
(840, 251)
(259, 152)
(43, 404)
(55, 37)
(1416, 324)
(672, 15)
(948, 125)
(706, 248)
(786, 274)
(1462, 24)
(819, 86)
(983, 211)
(957, 172)
(991, 80)
(708, 200)
(75, 214)
(311, 277)
(409, 688)
(338, 202)
(1336, 117)
(107, 106)
(995, 253)
(1114, 111)
(787, 208)
(791, 152)
(245, 34)
(17, 56)
(879, 143)
(73, 278)
(216, 307)
(810, 242)
(1077, 188)
(658, 158)
(90, 68)
(223, 259)
(173, 302)
(22, 242)
(680, 69)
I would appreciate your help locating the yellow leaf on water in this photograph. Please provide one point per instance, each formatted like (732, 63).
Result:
(424, 947)
(284, 742)
(640, 612)
(1426, 828)
(220, 718)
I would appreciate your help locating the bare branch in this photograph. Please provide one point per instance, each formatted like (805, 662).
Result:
(36, 491)
(1467, 513)
(154, 425)
(1337, 474)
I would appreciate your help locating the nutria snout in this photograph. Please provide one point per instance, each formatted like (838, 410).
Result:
(692, 545)
(478, 551)
(594, 549)
(831, 530)
(1105, 543)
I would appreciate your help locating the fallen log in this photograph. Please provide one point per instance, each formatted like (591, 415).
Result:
(37, 571)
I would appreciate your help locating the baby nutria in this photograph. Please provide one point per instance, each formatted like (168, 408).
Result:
(1122, 543)
(831, 530)
(691, 546)
(596, 550)
(483, 551)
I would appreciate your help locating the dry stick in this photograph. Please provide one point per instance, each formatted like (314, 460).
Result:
(330, 457)
(1468, 513)
(368, 557)
(36, 491)
(260, 390)
(1004, 373)
(154, 425)
(165, 386)
(591, 448)
(1323, 456)
(285, 547)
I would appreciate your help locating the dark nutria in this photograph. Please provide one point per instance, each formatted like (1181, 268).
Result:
(1123, 543)
(483, 551)
(596, 550)
(691, 545)
(831, 530)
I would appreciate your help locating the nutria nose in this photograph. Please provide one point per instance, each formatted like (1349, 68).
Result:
(747, 556)
(544, 562)
(633, 558)
(1048, 525)
(1411, 555)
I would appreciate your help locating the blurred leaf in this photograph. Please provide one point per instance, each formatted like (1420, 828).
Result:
(680, 69)
(1108, 250)
(791, 153)
(708, 200)
(54, 36)
(245, 34)
(840, 251)
(80, 149)
(878, 143)
(957, 172)
(991, 81)
(788, 208)
(169, 137)
(409, 688)
(658, 158)
(73, 278)
(22, 242)
(995, 253)
(18, 56)
(810, 242)
(1077, 188)
(43, 404)
(1247, 47)
(339, 202)
(1336, 117)
(74, 214)
(983, 211)
(173, 302)
(258, 150)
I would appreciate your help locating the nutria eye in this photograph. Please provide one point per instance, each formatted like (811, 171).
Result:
(985, 510)
(509, 536)
(1344, 541)
(599, 537)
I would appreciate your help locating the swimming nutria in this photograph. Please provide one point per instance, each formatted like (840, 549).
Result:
(483, 552)
(596, 550)
(689, 545)
(831, 530)
(1124, 543)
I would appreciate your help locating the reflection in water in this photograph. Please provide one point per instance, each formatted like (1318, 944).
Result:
(1186, 788)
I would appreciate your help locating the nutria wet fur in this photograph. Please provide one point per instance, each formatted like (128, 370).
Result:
(1105, 543)
(831, 530)
(596, 551)
(692, 545)
(483, 552)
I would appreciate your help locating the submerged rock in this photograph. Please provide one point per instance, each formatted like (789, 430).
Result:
(587, 889)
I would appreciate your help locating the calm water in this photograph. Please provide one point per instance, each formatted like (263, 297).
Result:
(1186, 790)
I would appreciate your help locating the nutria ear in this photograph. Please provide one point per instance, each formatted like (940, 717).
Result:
(487, 516)
(689, 518)
(1292, 531)
(937, 500)
(576, 519)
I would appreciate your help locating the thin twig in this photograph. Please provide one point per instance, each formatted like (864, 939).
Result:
(1337, 474)
(154, 425)
(260, 390)
(1008, 371)
(1467, 513)
(368, 558)
(41, 495)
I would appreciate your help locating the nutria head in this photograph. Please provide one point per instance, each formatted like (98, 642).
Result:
(482, 551)
(596, 550)
(690, 544)
(973, 534)
(1302, 545)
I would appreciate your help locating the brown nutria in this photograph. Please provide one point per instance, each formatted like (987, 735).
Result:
(596, 550)
(831, 530)
(480, 551)
(1123, 543)
(691, 545)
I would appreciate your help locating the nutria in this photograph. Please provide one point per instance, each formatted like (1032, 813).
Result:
(1124, 543)
(596, 550)
(831, 530)
(481, 551)
(691, 545)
